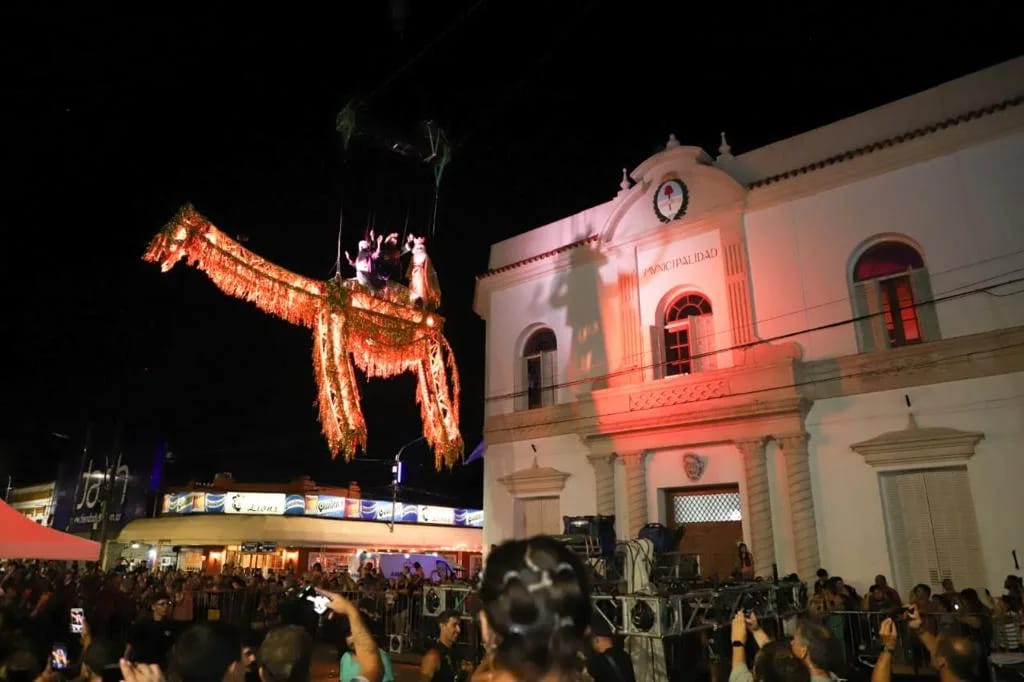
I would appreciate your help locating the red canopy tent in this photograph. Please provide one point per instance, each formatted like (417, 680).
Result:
(23, 538)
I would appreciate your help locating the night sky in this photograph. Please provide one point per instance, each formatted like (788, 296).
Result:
(114, 120)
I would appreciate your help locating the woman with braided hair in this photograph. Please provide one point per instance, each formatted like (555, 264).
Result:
(536, 613)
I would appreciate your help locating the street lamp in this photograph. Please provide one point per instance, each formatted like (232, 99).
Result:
(396, 480)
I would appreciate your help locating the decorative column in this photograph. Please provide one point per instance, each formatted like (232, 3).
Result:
(636, 491)
(801, 502)
(604, 475)
(759, 505)
(629, 307)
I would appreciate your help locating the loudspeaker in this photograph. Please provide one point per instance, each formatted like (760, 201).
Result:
(600, 529)
(659, 535)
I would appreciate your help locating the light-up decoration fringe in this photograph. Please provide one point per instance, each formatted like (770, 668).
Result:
(383, 334)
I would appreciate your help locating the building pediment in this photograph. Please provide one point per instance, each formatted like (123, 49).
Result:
(672, 187)
(535, 480)
(918, 446)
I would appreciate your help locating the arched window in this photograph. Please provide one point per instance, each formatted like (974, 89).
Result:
(537, 371)
(892, 298)
(688, 333)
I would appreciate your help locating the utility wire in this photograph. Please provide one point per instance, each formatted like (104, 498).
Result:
(780, 337)
(426, 48)
(797, 384)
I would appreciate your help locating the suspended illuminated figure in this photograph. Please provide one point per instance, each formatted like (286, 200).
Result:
(383, 331)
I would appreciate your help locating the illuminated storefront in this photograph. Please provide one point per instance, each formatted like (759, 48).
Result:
(35, 502)
(290, 527)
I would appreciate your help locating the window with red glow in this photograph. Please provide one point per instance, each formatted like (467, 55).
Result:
(678, 343)
(886, 259)
(890, 264)
(898, 298)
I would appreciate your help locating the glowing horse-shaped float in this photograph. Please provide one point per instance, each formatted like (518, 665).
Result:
(383, 333)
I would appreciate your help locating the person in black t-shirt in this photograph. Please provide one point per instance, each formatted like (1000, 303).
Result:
(607, 661)
(149, 640)
(438, 664)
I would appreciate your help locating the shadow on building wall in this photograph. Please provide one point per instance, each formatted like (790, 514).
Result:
(579, 291)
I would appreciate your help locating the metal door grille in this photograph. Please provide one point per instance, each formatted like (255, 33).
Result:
(706, 508)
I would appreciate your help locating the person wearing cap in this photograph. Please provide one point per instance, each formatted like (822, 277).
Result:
(607, 662)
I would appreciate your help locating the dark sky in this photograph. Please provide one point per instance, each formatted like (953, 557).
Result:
(114, 120)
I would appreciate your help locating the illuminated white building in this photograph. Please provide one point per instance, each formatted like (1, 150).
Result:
(816, 346)
(34, 502)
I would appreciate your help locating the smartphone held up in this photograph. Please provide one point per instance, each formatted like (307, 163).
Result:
(59, 657)
(319, 601)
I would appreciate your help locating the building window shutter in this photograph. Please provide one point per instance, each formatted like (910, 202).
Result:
(927, 318)
(540, 516)
(871, 331)
(657, 352)
(955, 528)
(702, 335)
(932, 528)
(547, 373)
(911, 544)
(522, 383)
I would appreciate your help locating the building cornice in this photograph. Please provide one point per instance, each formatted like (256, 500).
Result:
(541, 266)
(754, 391)
(963, 357)
(911, 148)
(535, 480)
(549, 263)
(916, 446)
(539, 257)
(762, 392)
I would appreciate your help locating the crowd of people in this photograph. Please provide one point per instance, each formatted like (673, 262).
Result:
(534, 613)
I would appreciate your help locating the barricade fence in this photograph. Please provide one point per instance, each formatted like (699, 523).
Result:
(405, 624)
(857, 632)
(402, 623)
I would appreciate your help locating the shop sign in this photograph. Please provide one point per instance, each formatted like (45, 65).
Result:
(255, 503)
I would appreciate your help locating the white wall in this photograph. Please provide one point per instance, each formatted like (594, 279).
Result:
(665, 471)
(848, 506)
(577, 305)
(551, 236)
(564, 453)
(963, 209)
(705, 277)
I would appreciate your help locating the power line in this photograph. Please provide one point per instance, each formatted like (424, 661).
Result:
(426, 48)
(486, 115)
(772, 318)
(797, 384)
(780, 337)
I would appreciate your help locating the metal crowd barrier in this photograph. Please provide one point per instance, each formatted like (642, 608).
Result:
(402, 624)
(857, 632)
(694, 626)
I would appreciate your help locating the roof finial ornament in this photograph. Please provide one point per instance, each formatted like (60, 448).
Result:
(672, 141)
(624, 184)
(724, 150)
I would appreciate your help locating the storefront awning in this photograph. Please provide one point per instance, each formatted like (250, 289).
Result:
(23, 538)
(298, 531)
